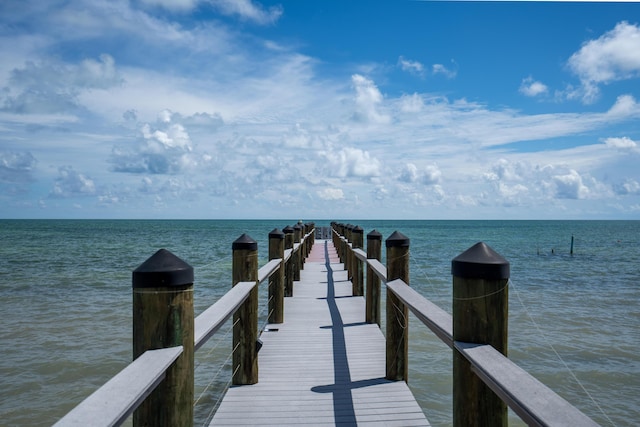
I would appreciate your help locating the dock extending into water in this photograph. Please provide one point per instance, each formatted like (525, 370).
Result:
(324, 365)
(322, 358)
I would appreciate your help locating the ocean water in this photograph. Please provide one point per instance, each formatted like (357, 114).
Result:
(65, 304)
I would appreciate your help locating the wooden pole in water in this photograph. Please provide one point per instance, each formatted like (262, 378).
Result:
(372, 299)
(245, 319)
(276, 281)
(397, 347)
(162, 318)
(572, 244)
(480, 315)
(288, 272)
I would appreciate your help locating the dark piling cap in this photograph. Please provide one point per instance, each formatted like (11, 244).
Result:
(374, 235)
(276, 234)
(297, 227)
(480, 262)
(244, 242)
(358, 230)
(288, 230)
(397, 240)
(162, 270)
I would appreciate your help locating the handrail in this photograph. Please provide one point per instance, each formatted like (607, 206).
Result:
(530, 399)
(119, 397)
(210, 320)
(439, 321)
(112, 403)
(533, 401)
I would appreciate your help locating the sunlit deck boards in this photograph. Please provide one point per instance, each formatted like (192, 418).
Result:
(324, 365)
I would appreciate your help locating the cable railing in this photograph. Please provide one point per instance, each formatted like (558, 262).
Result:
(157, 386)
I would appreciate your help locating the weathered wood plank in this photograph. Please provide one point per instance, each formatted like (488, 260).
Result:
(378, 268)
(112, 403)
(534, 402)
(324, 365)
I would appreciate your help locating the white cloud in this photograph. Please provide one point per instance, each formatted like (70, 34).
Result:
(330, 194)
(248, 10)
(368, 101)
(70, 183)
(413, 67)
(613, 56)
(409, 173)
(532, 88)
(570, 186)
(447, 72)
(352, 162)
(623, 144)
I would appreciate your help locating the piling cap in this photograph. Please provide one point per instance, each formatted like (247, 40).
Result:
(162, 270)
(397, 240)
(288, 230)
(297, 227)
(480, 262)
(358, 230)
(374, 235)
(244, 242)
(276, 234)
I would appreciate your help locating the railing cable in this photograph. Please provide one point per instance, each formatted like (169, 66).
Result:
(573, 375)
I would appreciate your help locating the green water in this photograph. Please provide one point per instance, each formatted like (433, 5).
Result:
(65, 290)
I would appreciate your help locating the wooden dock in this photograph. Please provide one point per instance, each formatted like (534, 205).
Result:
(324, 365)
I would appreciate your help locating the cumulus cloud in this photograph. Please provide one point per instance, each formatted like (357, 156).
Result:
(16, 167)
(248, 10)
(352, 162)
(532, 88)
(413, 67)
(70, 183)
(629, 187)
(622, 144)
(53, 87)
(163, 149)
(570, 186)
(368, 100)
(430, 175)
(613, 56)
(331, 194)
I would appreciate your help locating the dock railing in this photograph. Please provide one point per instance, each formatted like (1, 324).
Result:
(485, 380)
(157, 387)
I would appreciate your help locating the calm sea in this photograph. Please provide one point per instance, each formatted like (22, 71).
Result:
(65, 305)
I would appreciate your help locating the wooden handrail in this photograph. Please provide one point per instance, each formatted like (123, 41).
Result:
(119, 397)
(112, 403)
(533, 401)
(530, 399)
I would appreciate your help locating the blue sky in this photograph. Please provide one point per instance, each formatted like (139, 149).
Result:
(319, 110)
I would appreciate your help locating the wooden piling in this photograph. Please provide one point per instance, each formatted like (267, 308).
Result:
(397, 313)
(297, 255)
(288, 271)
(480, 315)
(357, 280)
(245, 319)
(276, 281)
(162, 318)
(372, 298)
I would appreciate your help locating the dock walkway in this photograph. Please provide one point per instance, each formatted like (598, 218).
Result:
(324, 365)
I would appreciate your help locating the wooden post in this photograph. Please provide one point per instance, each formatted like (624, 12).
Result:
(374, 251)
(162, 318)
(245, 319)
(357, 281)
(303, 243)
(480, 315)
(397, 313)
(297, 256)
(288, 271)
(276, 281)
(348, 254)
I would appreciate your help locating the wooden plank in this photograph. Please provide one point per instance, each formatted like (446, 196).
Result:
(435, 318)
(533, 401)
(324, 365)
(112, 403)
(210, 320)
(379, 269)
(268, 269)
